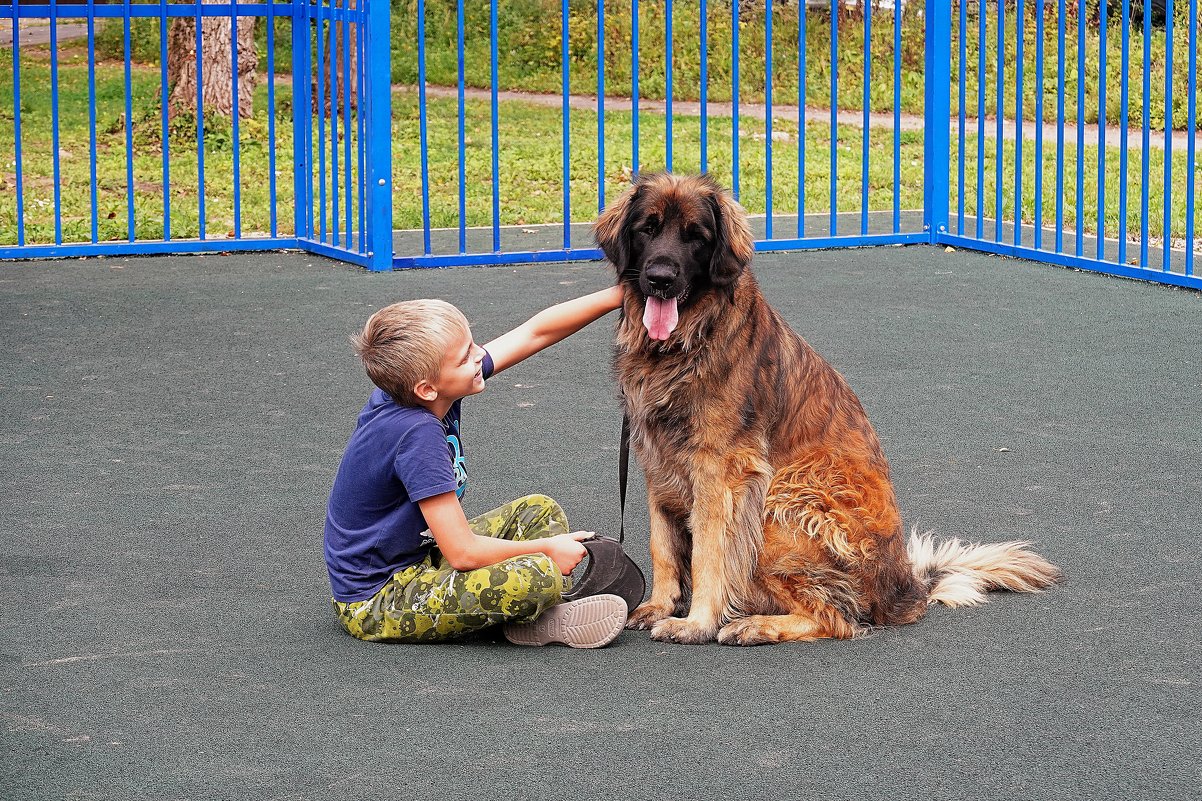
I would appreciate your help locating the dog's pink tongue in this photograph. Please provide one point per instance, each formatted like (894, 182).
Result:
(660, 318)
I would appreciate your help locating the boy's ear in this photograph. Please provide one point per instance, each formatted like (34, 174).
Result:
(425, 391)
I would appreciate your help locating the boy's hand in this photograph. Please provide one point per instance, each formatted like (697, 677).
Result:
(565, 550)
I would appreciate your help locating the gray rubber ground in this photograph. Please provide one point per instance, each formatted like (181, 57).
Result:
(170, 432)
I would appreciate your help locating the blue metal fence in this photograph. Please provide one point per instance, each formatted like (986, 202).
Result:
(153, 186)
(1008, 158)
(1092, 225)
(809, 115)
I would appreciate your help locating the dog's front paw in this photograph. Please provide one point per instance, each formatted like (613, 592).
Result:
(646, 615)
(683, 630)
(744, 632)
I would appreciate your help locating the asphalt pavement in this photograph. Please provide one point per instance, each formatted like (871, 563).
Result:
(171, 427)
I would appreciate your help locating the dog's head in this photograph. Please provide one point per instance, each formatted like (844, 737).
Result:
(673, 239)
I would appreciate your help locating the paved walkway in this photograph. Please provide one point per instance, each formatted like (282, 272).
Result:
(37, 32)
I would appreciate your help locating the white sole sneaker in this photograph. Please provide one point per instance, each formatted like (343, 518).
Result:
(590, 622)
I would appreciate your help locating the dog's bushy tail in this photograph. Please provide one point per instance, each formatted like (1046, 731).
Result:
(960, 574)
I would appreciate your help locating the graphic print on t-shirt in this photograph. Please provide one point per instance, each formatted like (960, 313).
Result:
(457, 459)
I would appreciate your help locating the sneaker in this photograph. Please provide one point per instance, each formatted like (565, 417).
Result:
(590, 622)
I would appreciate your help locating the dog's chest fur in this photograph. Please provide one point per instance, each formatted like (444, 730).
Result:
(688, 400)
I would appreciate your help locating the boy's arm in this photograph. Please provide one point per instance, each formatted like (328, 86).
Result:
(551, 325)
(466, 550)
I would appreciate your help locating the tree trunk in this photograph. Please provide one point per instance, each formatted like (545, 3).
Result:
(217, 66)
(334, 87)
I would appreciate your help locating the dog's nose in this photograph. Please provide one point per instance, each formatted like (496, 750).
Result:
(660, 277)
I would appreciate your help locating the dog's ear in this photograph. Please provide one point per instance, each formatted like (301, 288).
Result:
(734, 245)
(612, 229)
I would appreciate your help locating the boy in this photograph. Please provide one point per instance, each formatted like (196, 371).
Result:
(405, 563)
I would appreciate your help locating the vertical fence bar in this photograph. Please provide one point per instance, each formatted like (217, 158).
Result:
(321, 118)
(897, 43)
(92, 118)
(734, 96)
(960, 115)
(1102, 40)
(58, 204)
(705, 83)
(998, 201)
(1079, 200)
(459, 38)
(271, 116)
(801, 120)
(166, 139)
(379, 57)
(668, 83)
(347, 192)
(1145, 168)
(422, 124)
(129, 129)
(834, 138)
(335, 88)
(634, 85)
(200, 124)
(1019, 15)
(1191, 129)
(768, 119)
(18, 161)
(601, 105)
(1167, 234)
(1124, 118)
(567, 138)
(1060, 128)
(1039, 66)
(982, 35)
(361, 94)
(237, 115)
(312, 76)
(936, 185)
(301, 104)
(495, 122)
(867, 110)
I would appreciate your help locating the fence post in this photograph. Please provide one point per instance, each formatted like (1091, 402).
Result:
(379, 138)
(937, 117)
(301, 99)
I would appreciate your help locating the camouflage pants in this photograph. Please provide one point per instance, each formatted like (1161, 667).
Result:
(431, 601)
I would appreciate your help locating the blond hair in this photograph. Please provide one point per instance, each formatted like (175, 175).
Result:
(404, 344)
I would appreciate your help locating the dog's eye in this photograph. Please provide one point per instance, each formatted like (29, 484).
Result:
(694, 235)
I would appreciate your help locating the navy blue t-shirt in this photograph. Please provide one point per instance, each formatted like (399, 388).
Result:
(397, 456)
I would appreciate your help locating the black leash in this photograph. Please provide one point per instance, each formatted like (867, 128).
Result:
(623, 467)
(610, 569)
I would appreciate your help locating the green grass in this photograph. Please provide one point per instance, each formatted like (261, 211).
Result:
(531, 189)
(531, 183)
(529, 54)
(146, 156)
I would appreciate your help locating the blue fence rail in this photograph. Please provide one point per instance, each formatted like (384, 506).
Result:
(815, 132)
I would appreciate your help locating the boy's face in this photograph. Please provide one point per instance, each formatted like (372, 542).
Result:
(462, 372)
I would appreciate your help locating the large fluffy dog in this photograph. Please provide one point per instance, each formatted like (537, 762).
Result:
(770, 499)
